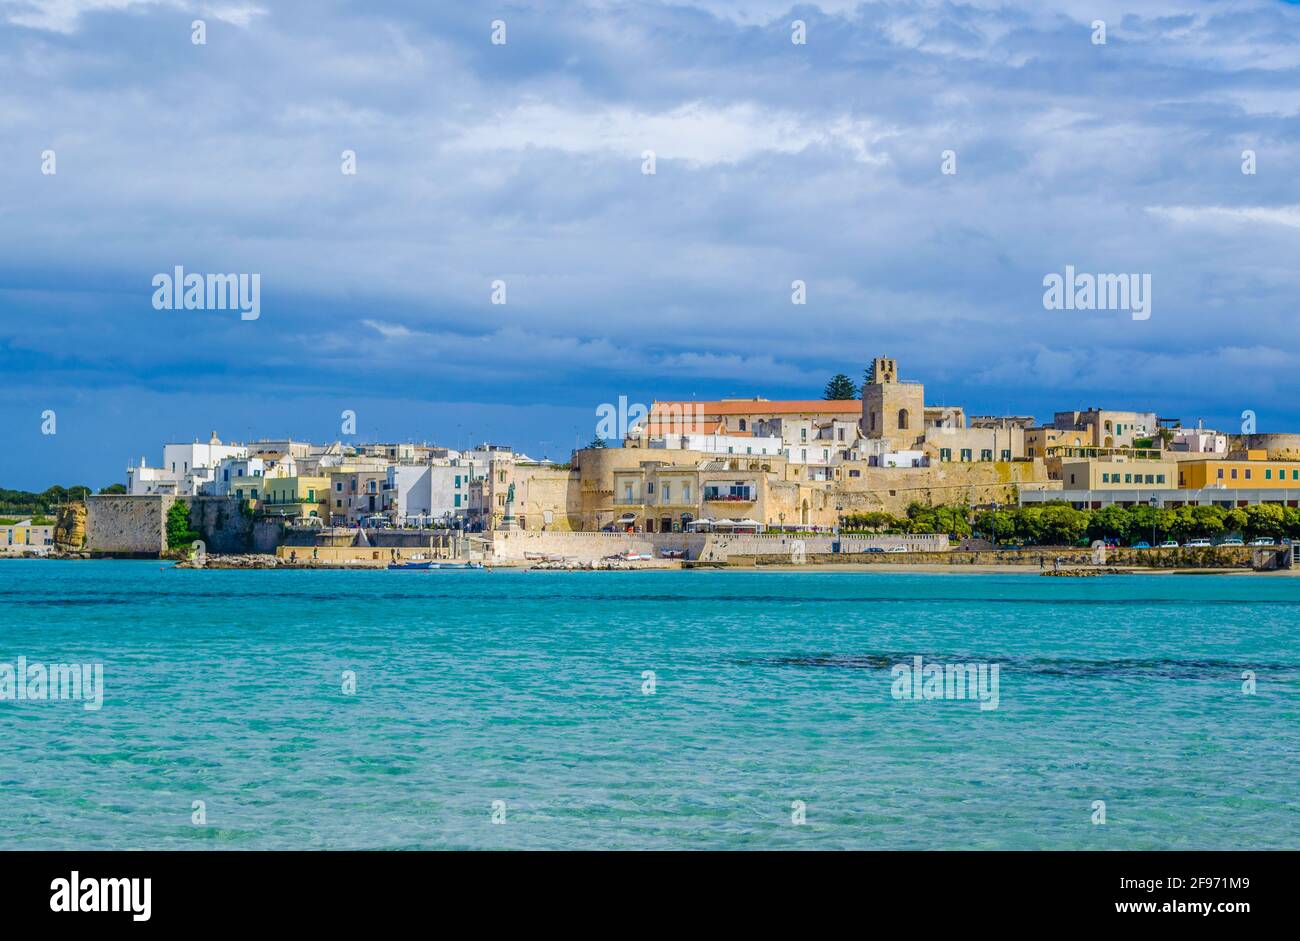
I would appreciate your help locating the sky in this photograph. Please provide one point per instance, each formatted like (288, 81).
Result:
(524, 163)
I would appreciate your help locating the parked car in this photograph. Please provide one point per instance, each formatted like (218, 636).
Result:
(1233, 541)
(1198, 544)
(897, 549)
(874, 549)
(1169, 544)
(1262, 541)
(1141, 545)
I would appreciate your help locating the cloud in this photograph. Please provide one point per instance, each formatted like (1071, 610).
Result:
(700, 134)
(1288, 216)
(522, 163)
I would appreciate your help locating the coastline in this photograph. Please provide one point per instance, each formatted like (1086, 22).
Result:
(270, 563)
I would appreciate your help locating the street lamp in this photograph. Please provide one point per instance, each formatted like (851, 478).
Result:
(1154, 503)
(995, 524)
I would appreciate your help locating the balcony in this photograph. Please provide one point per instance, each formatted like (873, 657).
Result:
(730, 495)
(627, 501)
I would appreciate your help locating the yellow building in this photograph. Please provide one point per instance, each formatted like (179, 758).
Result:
(1251, 470)
(297, 497)
(25, 536)
(1118, 474)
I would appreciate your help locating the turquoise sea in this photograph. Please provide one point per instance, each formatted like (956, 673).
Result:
(226, 687)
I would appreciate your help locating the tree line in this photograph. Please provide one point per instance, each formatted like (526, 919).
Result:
(25, 503)
(1059, 524)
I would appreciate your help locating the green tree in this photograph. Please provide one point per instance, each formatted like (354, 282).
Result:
(1111, 522)
(597, 442)
(1062, 525)
(114, 488)
(1208, 520)
(179, 534)
(839, 388)
(1266, 519)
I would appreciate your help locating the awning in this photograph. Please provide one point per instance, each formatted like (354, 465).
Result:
(627, 518)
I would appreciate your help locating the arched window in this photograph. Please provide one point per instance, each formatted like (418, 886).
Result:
(902, 419)
(742, 424)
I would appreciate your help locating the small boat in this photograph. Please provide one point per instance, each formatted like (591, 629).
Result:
(629, 556)
(431, 566)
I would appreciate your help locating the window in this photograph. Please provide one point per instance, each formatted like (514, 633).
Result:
(1234, 473)
(1295, 474)
(841, 433)
(1105, 478)
(1006, 454)
(803, 434)
(1151, 478)
(650, 486)
(686, 493)
(1248, 473)
(965, 454)
(311, 496)
(456, 500)
(945, 454)
(1268, 474)
(254, 493)
(1128, 478)
(1220, 473)
(986, 454)
(338, 487)
(668, 492)
(1160, 478)
(853, 472)
(458, 481)
(902, 419)
(742, 424)
(338, 504)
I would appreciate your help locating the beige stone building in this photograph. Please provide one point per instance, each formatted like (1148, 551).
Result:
(1117, 473)
(893, 410)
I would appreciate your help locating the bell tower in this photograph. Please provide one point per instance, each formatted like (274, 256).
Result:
(892, 410)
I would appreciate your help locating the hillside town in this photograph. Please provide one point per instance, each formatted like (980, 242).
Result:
(743, 466)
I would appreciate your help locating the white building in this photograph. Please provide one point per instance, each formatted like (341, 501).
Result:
(427, 494)
(902, 459)
(185, 468)
(718, 444)
(236, 473)
(1198, 441)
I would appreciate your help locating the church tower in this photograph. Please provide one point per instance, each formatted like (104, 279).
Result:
(892, 410)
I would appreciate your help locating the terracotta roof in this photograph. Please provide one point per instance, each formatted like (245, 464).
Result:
(764, 407)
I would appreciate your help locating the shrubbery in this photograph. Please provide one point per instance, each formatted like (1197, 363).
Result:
(1059, 524)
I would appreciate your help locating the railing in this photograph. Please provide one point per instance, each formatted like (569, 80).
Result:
(717, 496)
(627, 501)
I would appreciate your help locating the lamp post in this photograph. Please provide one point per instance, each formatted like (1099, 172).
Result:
(1154, 502)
